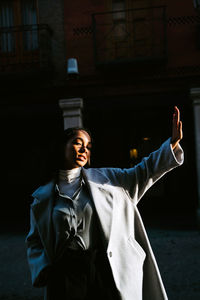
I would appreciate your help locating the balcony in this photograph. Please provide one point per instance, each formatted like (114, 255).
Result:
(25, 49)
(130, 36)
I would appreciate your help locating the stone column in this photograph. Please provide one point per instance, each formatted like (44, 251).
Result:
(72, 112)
(195, 96)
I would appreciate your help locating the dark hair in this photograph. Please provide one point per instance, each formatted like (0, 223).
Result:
(71, 132)
(54, 160)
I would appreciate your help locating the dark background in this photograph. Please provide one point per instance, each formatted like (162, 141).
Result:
(129, 88)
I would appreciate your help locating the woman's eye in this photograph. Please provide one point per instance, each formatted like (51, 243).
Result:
(77, 143)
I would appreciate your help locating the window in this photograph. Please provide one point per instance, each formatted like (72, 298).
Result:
(119, 18)
(15, 13)
(29, 17)
(118, 5)
(196, 3)
(6, 21)
(130, 31)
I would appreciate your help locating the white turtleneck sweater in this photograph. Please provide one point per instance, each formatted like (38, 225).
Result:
(69, 181)
(73, 215)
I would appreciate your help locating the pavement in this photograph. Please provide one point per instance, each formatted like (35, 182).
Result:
(177, 253)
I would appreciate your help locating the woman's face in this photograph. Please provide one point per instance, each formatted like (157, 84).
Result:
(78, 150)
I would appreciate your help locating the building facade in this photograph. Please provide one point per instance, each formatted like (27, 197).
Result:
(136, 59)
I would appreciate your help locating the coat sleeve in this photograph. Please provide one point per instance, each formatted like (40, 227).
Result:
(137, 180)
(37, 258)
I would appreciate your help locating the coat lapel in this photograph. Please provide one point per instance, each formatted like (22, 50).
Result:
(42, 210)
(102, 196)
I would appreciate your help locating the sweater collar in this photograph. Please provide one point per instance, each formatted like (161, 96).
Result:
(69, 175)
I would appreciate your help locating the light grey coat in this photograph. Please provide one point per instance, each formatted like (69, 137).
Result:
(115, 193)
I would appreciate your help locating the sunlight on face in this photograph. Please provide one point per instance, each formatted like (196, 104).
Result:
(78, 150)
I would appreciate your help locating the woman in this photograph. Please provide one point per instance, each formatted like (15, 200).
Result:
(87, 240)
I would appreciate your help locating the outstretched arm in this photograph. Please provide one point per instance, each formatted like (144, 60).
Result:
(177, 133)
(137, 180)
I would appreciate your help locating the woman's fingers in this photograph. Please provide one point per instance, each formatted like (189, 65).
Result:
(180, 130)
(177, 133)
(176, 115)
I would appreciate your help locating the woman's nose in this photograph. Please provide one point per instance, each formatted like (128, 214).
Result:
(83, 149)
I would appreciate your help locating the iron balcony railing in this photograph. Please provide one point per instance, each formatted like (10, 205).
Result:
(130, 35)
(24, 47)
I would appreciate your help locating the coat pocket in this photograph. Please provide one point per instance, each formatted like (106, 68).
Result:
(132, 241)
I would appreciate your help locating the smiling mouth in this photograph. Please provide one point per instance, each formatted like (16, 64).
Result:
(81, 157)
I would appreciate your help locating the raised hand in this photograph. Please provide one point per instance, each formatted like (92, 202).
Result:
(177, 133)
